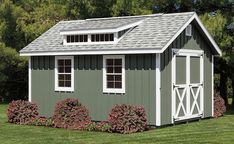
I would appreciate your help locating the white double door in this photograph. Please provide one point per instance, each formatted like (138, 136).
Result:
(187, 84)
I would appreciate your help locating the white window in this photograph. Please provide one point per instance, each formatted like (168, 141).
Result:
(102, 37)
(77, 38)
(114, 74)
(188, 30)
(64, 73)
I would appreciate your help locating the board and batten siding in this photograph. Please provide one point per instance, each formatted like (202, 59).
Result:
(195, 42)
(140, 85)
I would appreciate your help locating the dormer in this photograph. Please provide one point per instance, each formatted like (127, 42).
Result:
(80, 35)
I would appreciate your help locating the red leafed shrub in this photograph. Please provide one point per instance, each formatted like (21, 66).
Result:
(21, 112)
(219, 106)
(127, 119)
(71, 114)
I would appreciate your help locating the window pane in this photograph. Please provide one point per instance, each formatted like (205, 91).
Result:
(109, 62)
(106, 37)
(118, 62)
(68, 62)
(110, 70)
(118, 85)
(61, 77)
(93, 38)
(81, 38)
(61, 83)
(67, 83)
(110, 78)
(76, 38)
(97, 37)
(85, 38)
(118, 70)
(67, 69)
(67, 77)
(60, 62)
(111, 37)
(102, 37)
(68, 39)
(72, 38)
(61, 69)
(110, 84)
(118, 78)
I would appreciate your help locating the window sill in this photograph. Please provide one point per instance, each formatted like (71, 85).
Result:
(116, 91)
(62, 89)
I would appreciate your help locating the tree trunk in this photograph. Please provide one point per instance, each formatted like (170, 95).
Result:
(233, 92)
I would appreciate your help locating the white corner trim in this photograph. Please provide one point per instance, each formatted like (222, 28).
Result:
(100, 31)
(212, 85)
(158, 90)
(56, 87)
(202, 27)
(29, 80)
(113, 90)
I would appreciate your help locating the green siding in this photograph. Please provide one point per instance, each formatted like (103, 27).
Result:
(140, 85)
(196, 42)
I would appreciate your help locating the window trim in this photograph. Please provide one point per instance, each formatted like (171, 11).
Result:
(57, 88)
(113, 90)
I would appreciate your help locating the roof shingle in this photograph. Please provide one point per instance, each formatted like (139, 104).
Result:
(153, 33)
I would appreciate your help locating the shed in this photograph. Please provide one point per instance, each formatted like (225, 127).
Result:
(161, 61)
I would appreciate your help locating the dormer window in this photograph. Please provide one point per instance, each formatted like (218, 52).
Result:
(82, 34)
(77, 38)
(102, 37)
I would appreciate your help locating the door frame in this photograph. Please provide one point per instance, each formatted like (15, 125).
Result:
(188, 53)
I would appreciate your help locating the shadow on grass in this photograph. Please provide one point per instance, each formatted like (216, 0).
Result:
(230, 110)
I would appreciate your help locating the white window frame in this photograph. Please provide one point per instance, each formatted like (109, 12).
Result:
(188, 30)
(113, 90)
(57, 88)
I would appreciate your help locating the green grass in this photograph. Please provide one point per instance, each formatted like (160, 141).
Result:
(204, 131)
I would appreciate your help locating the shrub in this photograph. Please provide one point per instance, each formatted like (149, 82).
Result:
(219, 106)
(127, 119)
(21, 112)
(42, 121)
(71, 114)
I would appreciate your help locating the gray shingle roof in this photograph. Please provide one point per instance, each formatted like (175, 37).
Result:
(91, 24)
(153, 33)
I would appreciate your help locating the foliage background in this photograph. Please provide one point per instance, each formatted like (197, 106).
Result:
(22, 21)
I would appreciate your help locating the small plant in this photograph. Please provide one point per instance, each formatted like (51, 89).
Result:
(98, 126)
(127, 119)
(103, 126)
(21, 112)
(42, 121)
(219, 106)
(71, 114)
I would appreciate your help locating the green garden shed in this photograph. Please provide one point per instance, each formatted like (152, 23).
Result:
(163, 62)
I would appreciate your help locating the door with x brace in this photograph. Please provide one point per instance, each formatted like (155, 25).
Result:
(187, 84)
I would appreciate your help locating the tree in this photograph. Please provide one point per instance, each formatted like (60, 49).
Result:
(13, 74)
(9, 13)
(216, 24)
(128, 8)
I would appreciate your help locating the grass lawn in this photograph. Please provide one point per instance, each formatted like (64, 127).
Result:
(205, 131)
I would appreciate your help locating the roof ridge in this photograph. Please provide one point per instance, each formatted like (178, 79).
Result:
(125, 17)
